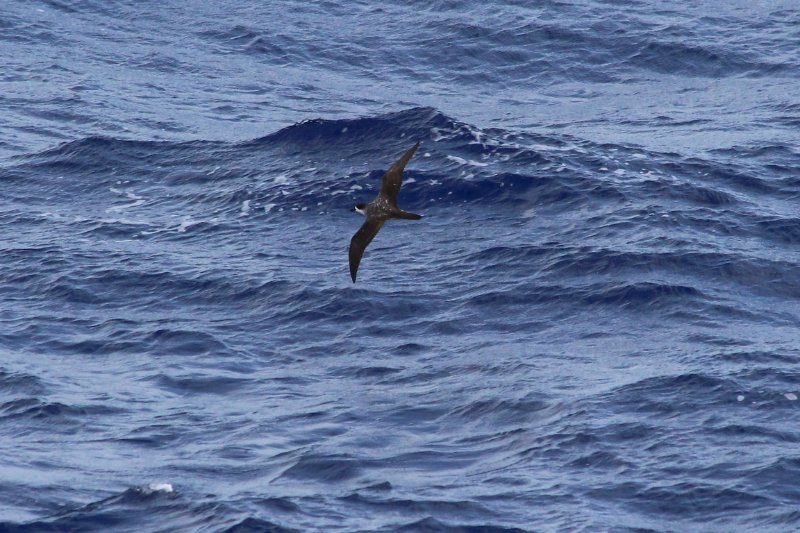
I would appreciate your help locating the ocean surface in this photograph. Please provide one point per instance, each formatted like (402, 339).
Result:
(596, 326)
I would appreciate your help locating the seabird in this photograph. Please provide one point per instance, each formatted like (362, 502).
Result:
(379, 210)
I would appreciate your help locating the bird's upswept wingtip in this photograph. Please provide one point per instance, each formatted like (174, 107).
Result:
(406, 157)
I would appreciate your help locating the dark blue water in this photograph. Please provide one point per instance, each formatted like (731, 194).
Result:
(594, 328)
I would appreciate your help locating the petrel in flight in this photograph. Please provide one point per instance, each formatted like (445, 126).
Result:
(379, 210)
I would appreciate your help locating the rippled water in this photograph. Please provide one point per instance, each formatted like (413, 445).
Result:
(594, 328)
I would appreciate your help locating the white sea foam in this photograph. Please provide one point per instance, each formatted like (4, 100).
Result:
(245, 208)
(462, 161)
(157, 487)
(137, 200)
(436, 134)
(187, 223)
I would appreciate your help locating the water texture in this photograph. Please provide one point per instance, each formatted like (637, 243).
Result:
(594, 328)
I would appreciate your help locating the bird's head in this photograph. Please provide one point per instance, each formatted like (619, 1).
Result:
(360, 208)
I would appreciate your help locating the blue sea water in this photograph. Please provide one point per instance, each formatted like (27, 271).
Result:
(594, 328)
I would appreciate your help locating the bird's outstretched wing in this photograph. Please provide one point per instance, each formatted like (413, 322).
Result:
(390, 186)
(360, 241)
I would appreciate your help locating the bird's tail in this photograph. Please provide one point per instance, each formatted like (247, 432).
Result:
(407, 215)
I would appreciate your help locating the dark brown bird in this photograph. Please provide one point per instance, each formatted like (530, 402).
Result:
(379, 210)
